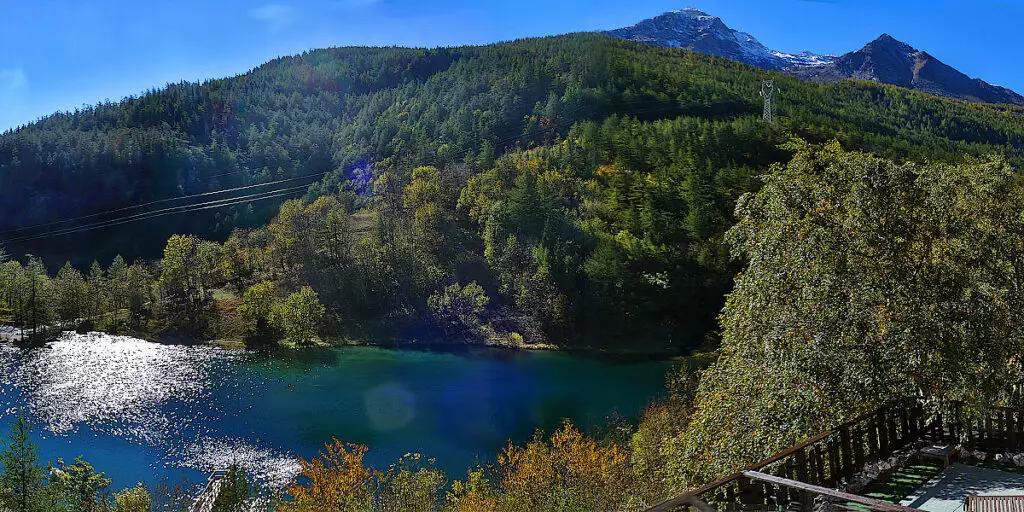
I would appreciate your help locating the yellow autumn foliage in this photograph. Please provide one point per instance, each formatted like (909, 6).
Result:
(568, 472)
(336, 480)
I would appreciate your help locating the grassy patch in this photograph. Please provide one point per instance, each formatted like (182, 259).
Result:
(224, 294)
(991, 464)
(319, 343)
(898, 483)
(227, 323)
(363, 224)
(228, 344)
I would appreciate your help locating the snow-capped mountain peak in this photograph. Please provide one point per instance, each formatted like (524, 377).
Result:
(693, 12)
(696, 30)
(885, 59)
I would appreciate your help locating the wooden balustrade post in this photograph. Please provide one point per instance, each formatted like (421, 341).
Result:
(732, 494)
(804, 498)
(847, 459)
(801, 465)
(872, 432)
(883, 435)
(812, 465)
(781, 491)
(904, 426)
(835, 471)
(989, 444)
(751, 493)
(858, 448)
(819, 464)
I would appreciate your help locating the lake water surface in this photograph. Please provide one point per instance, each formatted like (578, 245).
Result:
(143, 411)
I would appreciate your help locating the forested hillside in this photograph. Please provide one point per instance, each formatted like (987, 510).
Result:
(573, 189)
(347, 111)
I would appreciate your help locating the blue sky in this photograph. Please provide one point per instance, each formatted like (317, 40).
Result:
(61, 54)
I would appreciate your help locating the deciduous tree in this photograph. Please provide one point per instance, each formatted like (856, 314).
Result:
(300, 316)
(135, 499)
(867, 280)
(334, 480)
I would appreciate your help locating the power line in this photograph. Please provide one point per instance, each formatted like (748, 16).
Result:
(163, 212)
(219, 203)
(158, 201)
(521, 124)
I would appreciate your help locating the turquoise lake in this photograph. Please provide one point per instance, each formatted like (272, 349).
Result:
(142, 411)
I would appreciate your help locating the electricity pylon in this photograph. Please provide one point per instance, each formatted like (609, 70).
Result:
(768, 91)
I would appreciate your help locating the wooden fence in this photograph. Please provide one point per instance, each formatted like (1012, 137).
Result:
(993, 430)
(820, 462)
(204, 501)
(815, 467)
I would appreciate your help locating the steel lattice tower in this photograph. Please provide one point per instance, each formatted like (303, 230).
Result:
(768, 91)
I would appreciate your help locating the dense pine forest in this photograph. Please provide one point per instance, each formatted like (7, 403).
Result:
(568, 190)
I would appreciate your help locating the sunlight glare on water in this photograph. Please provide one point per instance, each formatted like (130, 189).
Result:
(146, 411)
(113, 382)
(146, 393)
(271, 467)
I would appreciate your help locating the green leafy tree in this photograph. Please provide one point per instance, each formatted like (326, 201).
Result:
(70, 291)
(300, 316)
(117, 289)
(135, 499)
(459, 307)
(423, 197)
(411, 484)
(139, 286)
(291, 231)
(257, 310)
(97, 285)
(189, 271)
(15, 283)
(79, 486)
(867, 281)
(38, 306)
(10, 296)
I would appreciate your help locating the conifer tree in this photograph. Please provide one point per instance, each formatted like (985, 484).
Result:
(23, 476)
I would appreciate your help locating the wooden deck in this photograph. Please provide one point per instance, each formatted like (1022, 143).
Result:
(808, 474)
(994, 504)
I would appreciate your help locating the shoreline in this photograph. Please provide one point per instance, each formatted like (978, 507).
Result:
(448, 346)
(9, 334)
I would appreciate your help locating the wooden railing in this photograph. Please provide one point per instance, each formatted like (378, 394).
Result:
(993, 430)
(204, 501)
(821, 461)
(814, 468)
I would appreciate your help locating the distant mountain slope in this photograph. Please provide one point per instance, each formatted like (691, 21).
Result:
(695, 30)
(884, 60)
(890, 61)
